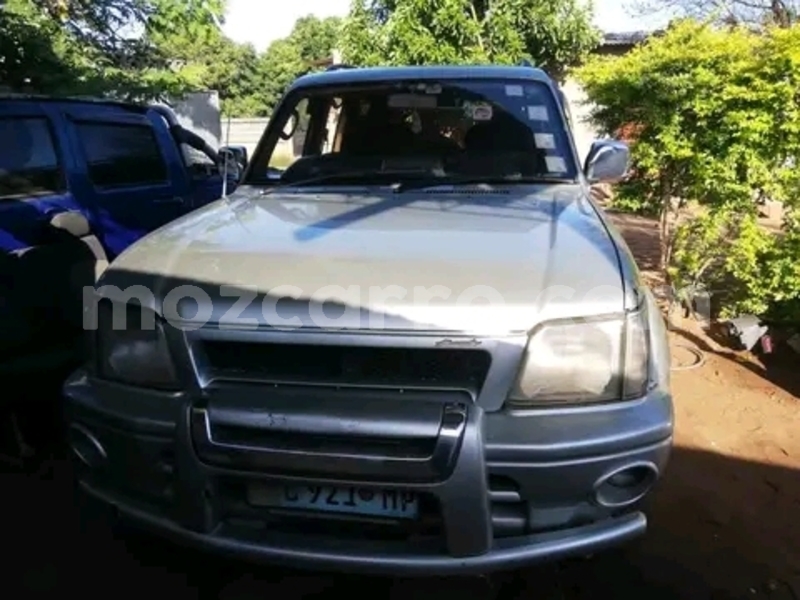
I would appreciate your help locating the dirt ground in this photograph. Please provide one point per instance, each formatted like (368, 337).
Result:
(728, 511)
(724, 522)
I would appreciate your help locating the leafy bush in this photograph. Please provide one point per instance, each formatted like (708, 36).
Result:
(717, 114)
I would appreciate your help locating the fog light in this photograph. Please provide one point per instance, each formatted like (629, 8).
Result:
(625, 485)
(86, 447)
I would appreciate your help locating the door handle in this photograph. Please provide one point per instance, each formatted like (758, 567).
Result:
(172, 200)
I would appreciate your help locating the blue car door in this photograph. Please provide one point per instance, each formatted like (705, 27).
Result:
(134, 170)
(36, 183)
(205, 178)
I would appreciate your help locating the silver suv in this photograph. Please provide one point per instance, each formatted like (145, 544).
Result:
(407, 343)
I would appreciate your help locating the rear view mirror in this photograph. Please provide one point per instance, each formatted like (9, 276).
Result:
(607, 161)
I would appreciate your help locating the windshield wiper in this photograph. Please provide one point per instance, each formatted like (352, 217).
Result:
(420, 179)
(406, 186)
(367, 174)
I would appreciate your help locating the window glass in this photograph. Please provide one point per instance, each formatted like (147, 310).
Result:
(293, 135)
(498, 129)
(122, 155)
(29, 164)
(198, 164)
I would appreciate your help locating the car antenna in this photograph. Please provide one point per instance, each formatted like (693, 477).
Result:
(225, 158)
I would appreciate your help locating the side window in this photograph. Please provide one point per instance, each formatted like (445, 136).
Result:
(29, 163)
(193, 156)
(122, 155)
(198, 163)
(290, 146)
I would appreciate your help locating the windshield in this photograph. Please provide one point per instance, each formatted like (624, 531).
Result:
(404, 131)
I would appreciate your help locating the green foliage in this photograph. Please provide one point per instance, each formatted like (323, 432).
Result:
(311, 42)
(633, 197)
(717, 122)
(754, 13)
(315, 38)
(749, 269)
(30, 57)
(249, 84)
(102, 47)
(151, 49)
(554, 34)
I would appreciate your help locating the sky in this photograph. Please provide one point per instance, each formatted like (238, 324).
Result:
(259, 22)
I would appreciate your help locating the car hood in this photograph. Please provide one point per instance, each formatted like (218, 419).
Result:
(478, 259)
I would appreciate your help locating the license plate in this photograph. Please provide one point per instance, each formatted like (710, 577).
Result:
(349, 500)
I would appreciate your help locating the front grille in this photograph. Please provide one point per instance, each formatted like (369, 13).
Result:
(347, 365)
(409, 448)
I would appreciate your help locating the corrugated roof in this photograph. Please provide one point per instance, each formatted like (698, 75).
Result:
(626, 39)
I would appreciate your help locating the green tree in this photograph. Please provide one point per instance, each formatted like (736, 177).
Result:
(32, 52)
(217, 63)
(717, 126)
(112, 47)
(554, 34)
(783, 13)
(315, 38)
(311, 41)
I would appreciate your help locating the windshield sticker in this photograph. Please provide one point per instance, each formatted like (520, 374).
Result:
(481, 112)
(538, 113)
(555, 164)
(513, 90)
(544, 141)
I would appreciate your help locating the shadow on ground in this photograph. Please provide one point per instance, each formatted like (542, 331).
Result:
(720, 528)
(780, 367)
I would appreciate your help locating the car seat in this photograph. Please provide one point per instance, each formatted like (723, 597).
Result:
(503, 145)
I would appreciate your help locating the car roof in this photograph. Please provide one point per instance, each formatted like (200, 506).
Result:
(344, 75)
(130, 106)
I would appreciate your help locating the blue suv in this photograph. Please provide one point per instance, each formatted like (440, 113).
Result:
(80, 181)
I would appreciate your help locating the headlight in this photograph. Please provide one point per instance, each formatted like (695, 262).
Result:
(585, 362)
(133, 351)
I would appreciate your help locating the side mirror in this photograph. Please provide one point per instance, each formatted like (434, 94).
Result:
(239, 154)
(229, 164)
(607, 161)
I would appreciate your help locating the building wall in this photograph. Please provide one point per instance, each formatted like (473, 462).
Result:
(247, 133)
(583, 131)
(243, 132)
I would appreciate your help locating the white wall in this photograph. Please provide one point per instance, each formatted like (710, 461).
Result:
(584, 133)
(244, 132)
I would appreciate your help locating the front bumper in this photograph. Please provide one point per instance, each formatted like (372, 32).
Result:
(518, 488)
